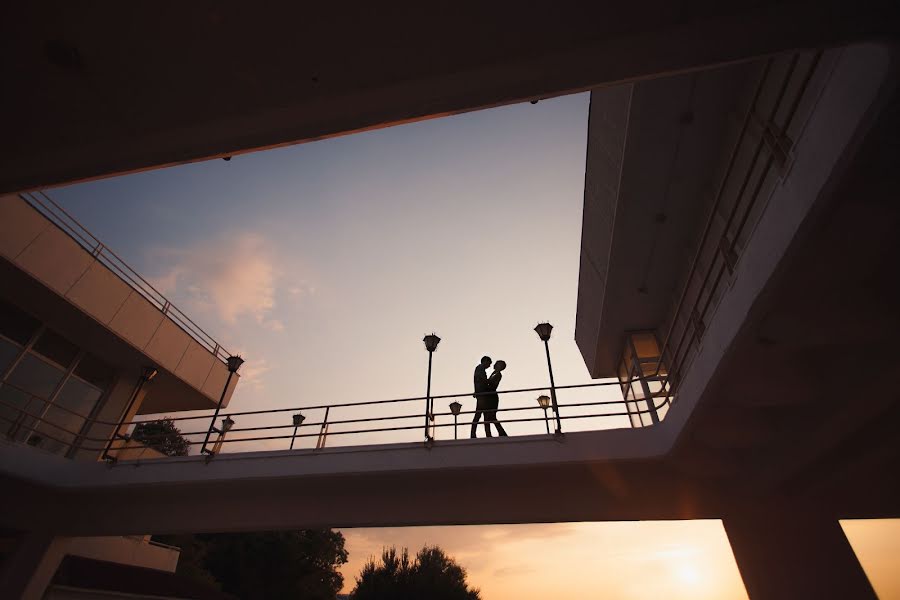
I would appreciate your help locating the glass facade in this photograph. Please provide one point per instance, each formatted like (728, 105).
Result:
(48, 385)
(642, 377)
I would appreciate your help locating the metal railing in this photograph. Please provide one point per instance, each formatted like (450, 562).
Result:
(57, 215)
(764, 134)
(274, 429)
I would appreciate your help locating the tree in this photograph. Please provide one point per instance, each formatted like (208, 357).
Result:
(162, 435)
(272, 564)
(432, 575)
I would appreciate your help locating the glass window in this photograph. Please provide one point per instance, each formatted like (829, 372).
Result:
(16, 324)
(645, 345)
(74, 402)
(56, 348)
(633, 414)
(93, 370)
(8, 353)
(637, 391)
(663, 410)
(36, 376)
(31, 377)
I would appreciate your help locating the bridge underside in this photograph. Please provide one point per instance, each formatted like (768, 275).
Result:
(97, 91)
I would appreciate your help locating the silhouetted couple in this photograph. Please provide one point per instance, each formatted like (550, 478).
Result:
(486, 395)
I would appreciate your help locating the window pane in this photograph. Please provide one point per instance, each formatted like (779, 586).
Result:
(12, 403)
(76, 396)
(56, 348)
(645, 345)
(8, 353)
(35, 376)
(15, 324)
(662, 410)
(64, 434)
(93, 370)
(633, 415)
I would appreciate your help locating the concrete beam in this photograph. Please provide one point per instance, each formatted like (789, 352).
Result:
(119, 90)
(789, 555)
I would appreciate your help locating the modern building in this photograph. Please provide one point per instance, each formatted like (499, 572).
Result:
(738, 247)
(87, 345)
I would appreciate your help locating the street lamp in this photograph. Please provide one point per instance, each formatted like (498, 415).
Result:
(431, 344)
(544, 402)
(455, 407)
(543, 330)
(234, 363)
(147, 375)
(298, 421)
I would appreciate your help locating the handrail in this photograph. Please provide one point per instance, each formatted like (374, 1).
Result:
(57, 215)
(674, 361)
(393, 423)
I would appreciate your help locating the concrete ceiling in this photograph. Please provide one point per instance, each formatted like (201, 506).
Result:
(92, 90)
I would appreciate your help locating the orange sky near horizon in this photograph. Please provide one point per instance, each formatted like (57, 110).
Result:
(643, 560)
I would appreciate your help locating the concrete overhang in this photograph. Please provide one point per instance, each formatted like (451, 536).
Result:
(44, 271)
(656, 151)
(95, 90)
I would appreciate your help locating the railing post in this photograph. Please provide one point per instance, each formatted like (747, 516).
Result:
(431, 343)
(428, 437)
(323, 433)
(147, 375)
(553, 389)
(234, 363)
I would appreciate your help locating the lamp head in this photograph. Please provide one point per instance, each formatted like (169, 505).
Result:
(543, 330)
(543, 401)
(431, 342)
(227, 424)
(455, 407)
(298, 419)
(149, 373)
(234, 363)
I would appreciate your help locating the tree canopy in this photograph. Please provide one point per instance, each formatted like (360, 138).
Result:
(432, 574)
(162, 435)
(290, 565)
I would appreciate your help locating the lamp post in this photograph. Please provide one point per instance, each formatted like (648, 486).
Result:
(431, 344)
(147, 375)
(544, 402)
(298, 421)
(234, 363)
(543, 330)
(455, 407)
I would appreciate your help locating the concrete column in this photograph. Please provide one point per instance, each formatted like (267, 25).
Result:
(29, 568)
(789, 555)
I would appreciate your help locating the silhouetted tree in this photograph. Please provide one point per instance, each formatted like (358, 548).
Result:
(162, 435)
(432, 575)
(290, 565)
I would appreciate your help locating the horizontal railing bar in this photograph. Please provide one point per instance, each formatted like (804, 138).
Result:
(371, 419)
(390, 401)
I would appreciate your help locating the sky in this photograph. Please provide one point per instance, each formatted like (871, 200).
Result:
(324, 264)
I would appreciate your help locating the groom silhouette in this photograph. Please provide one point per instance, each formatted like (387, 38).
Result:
(482, 389)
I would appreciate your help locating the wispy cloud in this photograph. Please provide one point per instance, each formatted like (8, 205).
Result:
(253, 372)
(234, 277)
